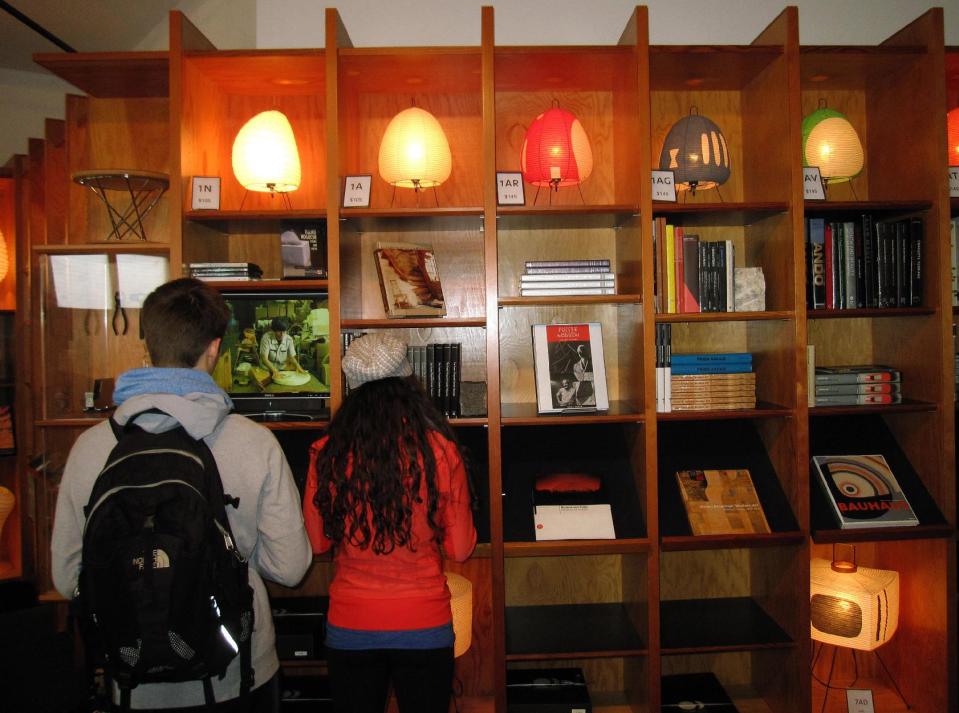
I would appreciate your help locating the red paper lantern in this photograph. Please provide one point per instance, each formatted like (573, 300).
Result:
(952, 131)
(556, 151)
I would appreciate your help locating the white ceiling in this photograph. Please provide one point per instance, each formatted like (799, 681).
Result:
(85, 25)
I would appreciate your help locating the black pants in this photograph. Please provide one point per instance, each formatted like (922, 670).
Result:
(262, 699)
(422, 679)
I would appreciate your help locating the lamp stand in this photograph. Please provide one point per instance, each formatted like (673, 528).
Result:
(285, 194)
(417, 188)
(827, 684)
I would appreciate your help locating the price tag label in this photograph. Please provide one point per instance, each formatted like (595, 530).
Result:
(859, 700)
(206, 193)
(954, 181)
(813, 188)
(356, 191)
(664, 189)
(509, 188)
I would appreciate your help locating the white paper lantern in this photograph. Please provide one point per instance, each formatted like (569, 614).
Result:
(265, 158)
(414, 152)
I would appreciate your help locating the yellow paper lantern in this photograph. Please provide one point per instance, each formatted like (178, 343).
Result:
(851, 606)
(831, 143)
(265, 158)
(461, 602)
(414, 152)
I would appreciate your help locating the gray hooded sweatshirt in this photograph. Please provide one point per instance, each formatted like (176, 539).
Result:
(268, 525)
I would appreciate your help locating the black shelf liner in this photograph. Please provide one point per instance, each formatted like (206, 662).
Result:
(597, 449)
(709, 445)
(864, 435)
(728, 622)
(570, 628)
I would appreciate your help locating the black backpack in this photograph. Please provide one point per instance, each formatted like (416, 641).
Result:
(163, 594)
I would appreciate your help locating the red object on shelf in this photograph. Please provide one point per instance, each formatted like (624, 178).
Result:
(556, 151)
(952, 132)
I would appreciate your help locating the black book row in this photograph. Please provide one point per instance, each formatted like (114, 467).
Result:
(864, 262)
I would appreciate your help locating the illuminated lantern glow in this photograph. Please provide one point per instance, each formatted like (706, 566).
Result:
(4, 257)
(831, 143)
(695, 151)
(556, 151)
(461, 604)
(851, 606)
(265, 157)
(414, 152)
(952, 133)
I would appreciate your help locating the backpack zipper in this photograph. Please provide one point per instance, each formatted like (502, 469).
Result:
(118, 488)
(155, 451)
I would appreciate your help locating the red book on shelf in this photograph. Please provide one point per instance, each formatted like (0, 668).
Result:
(830, 272)
(678, 267)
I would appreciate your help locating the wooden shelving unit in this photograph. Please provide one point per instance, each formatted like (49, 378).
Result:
(656, 600)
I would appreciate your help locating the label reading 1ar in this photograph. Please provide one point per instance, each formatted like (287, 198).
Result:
(509, 188)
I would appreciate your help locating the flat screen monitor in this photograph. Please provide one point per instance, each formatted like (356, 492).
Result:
(275, 358)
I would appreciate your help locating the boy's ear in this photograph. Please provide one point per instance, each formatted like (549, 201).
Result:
(211, 354)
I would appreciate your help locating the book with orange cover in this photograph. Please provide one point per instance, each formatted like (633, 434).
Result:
(409, 280)
(721, 502)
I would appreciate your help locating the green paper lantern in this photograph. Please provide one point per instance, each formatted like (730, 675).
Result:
(831, 143)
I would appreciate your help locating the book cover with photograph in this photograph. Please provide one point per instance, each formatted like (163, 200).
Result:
(569, 366)
(721, 502)
(863, 491)
(409, 280)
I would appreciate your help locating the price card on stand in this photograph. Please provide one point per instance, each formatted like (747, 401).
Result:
(509, 188)
(664, 189)
(356, 191)
(859, 700)
(812, 185)
(954, 181)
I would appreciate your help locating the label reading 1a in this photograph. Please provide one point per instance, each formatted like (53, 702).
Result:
(509, 188)
(356, 191)
(664, 188)
(954, 181)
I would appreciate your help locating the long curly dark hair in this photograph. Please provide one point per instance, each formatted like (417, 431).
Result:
(370, 471)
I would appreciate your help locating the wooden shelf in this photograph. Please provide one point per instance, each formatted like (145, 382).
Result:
(415, 323)
(897, 206)
(109, 248)
(693, 317)
(729, 214)
(112, 74)
(762, 410)
(883, 534)
(575, 547)
(708, 67)
(871, 313)
(269, 285)
(526, 415)
(567, 631)
(691, 626)
(907, 406)
(679, 543)
(569, 300)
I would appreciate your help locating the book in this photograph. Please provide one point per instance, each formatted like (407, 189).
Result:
(713, 358)
(550, 291)
(855, 374)
(863, 491)
(857, 399)
(409, 280)
(568, 277)
(721, 502)
(569, 366)
(593, 263)
(712, 368)
(564, 284)
(878, 387)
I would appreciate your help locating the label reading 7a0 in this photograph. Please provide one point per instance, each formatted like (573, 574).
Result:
(509, 188)
(859, 700)
(356, 191)
(954, 181)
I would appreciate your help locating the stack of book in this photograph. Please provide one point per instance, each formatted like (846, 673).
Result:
(692, 275)
(567, 277)
(438, 369)
(225, 271)
(864, 263)
(857, 385)
(701, 382)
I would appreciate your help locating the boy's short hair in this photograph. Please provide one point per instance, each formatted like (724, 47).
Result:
(180, 318)
(280, 324)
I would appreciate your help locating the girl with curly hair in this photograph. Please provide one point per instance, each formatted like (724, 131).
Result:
(387, 489)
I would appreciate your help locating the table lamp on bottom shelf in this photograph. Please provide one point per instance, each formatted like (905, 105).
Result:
(852, 607)
(461, 603)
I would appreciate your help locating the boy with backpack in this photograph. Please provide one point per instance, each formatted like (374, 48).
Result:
(168, 518)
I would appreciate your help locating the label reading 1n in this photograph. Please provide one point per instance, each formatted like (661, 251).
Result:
(664, 189)
(356, 191)
(509, 188)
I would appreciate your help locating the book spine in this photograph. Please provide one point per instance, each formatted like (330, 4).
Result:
(457, 358)
(578, 284)
(830, 266)
(536, 264)
(839, 250)
(430, 359)
(669, 267)
(678, 256)
(571, 276)
(902, 264)
(447, 398)
(849, 253)
(691, 274)
(660, 369)
(859, 378)
(546, 292)
(870, 265)
(810, 374)
(858, 399)
(883, 387)
(733, 368)
(730, 267)
(915, 262)
(668, 361)
(719, 357)
(860, 263)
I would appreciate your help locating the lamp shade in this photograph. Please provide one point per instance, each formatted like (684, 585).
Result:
(556, 151)
(695, 151)
(858, 608)
(4, 257)
(461, 602)
(952, 133)
(414, 152)
(7, 501)
(265, 158)
(830, 142)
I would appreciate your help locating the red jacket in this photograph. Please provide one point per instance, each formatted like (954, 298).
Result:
(404, 589)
